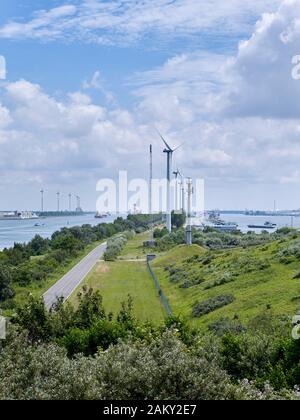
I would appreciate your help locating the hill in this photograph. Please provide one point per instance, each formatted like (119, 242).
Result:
(241, 283)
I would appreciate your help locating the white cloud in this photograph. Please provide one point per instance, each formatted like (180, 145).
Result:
(125, 21)
(239, 115)
(2, 68)
(262, 82)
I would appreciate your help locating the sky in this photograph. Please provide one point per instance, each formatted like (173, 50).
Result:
(88, 81)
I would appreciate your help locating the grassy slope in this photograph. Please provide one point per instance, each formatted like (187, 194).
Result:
(253, 290)
(116, 280)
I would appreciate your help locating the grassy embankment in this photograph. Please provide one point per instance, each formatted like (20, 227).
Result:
(260, 278)
(127, 276)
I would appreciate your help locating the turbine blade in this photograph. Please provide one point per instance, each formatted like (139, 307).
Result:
(168, 147)
(178, 147)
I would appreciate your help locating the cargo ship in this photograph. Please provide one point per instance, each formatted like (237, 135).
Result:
(266, 225)
(99, 215)
(18, 215)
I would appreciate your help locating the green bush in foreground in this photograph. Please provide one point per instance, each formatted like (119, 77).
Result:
(84, 353)
(161, 369)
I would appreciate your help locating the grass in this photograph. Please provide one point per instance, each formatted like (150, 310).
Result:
(134, 248)
(260, 282)
(127, 276)
(117, 280)
(37, 289)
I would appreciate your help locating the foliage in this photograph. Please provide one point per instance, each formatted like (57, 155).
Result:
(116, 244)
(35, 262)
(210, 305)
(6, 291)
(178, 219)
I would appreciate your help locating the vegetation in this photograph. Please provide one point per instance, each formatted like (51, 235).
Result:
(37, 265)
(115, 280)
(212, 304)
(233, 297)
(116, 244)
(261, 277)
(48, 356)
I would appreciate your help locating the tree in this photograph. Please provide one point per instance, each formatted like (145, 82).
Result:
(39, 245)
(178, 219)
(6, 291)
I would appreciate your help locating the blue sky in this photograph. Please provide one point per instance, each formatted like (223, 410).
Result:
(87, 81)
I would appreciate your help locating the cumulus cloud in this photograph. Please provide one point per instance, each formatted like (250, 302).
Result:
(239, 114)
(262, 82)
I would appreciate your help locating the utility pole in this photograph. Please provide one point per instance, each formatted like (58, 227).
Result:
(176, 173)
(182, 194)
(70, 203)
(78, 203)
(189, 239)
(150, 194)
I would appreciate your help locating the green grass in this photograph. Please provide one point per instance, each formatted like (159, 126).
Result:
(37, 289)
(256, 291)
(134, 248)
(117, 280)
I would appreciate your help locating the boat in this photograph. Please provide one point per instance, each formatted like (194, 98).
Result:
(99, 215)
(226, 227)
(266, 225)
(18, 215)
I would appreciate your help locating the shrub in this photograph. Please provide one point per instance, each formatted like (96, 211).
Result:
(116, 244)
(210, 305)
(226, 278)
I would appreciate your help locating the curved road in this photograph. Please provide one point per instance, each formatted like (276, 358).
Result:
(70, 281)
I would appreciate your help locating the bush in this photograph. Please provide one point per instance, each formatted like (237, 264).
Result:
(116, 244)
(6, 291)
(210, 305)
(226, 278)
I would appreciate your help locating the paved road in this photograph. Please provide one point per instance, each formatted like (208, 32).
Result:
(69, 282)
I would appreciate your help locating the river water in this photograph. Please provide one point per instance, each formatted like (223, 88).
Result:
(24, 230)
(12, 231)
(243, 221)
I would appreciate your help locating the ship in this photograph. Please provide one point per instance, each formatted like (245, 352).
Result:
(18, 215)
(215, 222)
(266, 225)
(99, 215)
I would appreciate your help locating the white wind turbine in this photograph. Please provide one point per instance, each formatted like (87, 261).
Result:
(169, 151)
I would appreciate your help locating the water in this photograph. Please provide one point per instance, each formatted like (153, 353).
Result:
(243, 221)
(23, 231)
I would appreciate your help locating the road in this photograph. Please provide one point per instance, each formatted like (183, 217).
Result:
(70, 281)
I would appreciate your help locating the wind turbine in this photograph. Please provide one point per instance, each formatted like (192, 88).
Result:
(169, 152)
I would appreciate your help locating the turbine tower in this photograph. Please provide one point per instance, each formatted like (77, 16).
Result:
(42, 200)
(169, 152)
(58, 201)
(70, 203)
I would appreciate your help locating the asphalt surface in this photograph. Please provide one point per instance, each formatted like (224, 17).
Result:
(70, 281)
